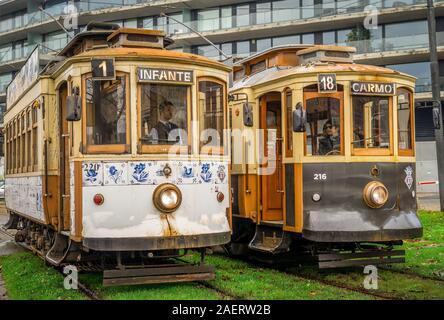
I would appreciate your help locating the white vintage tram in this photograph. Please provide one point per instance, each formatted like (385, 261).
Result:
(115, 156)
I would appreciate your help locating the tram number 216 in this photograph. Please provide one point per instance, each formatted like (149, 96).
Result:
(319, 176)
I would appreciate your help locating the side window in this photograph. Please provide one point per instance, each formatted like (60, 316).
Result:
(405, 122)
(34, 139)
(289, 123)
(163, 116)
(107, 115)
(371, 123)
(211, 110)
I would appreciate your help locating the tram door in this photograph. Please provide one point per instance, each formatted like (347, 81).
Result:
(64, 161)
(272, 170)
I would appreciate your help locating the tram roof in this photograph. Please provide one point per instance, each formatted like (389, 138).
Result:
(278, 72)
(270, 50)
(134, 52)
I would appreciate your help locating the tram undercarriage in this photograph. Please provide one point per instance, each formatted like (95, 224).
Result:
(118, 267)
(271, 245)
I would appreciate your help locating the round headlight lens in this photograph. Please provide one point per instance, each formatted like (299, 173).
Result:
(167, 197)
(375, 194)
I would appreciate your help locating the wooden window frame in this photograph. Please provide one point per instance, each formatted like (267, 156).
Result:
(337, 95)
(29, 139)
(212, 150)
(23, 142)
(164, 148)
(411, 151)
(107, 148)
(288, 122)
(34, 130)
(373, 151)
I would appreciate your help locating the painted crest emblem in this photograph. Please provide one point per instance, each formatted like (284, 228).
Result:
(221, 173)
(408, 177)
(205, 173)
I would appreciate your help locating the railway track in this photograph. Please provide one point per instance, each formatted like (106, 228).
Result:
(82, 287)
(223, 293)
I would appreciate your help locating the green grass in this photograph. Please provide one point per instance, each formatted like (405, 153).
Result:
(246, 281)
(27, 278)
(178, 291)
(425, 256)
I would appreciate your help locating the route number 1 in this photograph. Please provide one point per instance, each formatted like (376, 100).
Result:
(327, 82)
(103, 69)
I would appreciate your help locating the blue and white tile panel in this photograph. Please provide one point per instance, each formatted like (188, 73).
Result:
(24, 195)
(101, 173)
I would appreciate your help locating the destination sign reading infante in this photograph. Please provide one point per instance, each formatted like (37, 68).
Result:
(165, 75)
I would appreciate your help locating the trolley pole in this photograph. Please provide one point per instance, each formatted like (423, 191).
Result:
(437, 117)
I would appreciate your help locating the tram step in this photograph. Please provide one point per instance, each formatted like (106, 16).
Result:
(158, 274)
(364, 258)
(270, 239)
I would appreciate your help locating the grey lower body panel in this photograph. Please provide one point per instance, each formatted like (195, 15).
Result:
(357, 226)
(157, 243)
(341, 215)
(362, 236)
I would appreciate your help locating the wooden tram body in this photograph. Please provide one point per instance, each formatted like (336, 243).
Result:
(307, 99)
(102, 189)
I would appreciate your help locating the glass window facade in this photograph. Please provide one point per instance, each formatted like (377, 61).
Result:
(421, 70)
(5, 79)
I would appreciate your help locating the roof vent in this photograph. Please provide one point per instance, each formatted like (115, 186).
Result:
(130, 37)
(339, 54)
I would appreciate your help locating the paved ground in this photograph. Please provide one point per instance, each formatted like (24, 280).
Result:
(428, 201)
(3, 242)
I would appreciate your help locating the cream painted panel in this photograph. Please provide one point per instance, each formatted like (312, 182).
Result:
(24, 195)
(128, 212)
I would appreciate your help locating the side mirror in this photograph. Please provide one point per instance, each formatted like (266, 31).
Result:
(299, 118)
(248, 114)
(436, 118)
(73, 107)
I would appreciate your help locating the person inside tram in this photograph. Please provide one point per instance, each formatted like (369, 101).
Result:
(329, 143)
(164, 126)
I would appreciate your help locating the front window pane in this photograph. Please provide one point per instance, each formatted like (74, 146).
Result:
(211, 113)
(106, 111)
(164, 114)
(404, 120)
(371, 122)
(323, 126)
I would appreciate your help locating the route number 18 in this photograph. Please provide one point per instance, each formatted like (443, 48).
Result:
(327, 82)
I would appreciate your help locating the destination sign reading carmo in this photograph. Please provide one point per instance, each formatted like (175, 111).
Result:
(373, 88)
(165, 75)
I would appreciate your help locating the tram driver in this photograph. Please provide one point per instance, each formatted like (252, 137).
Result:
(329, 143)
(164, 126)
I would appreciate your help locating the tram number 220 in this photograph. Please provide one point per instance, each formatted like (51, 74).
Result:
(327, 82)
(319, 176)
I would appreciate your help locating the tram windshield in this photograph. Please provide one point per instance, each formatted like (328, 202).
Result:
(324, 126)
(106, 105)
(371, 122)
(164, 114)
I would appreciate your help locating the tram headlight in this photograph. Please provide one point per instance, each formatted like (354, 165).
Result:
(375, 194)
(167, 197)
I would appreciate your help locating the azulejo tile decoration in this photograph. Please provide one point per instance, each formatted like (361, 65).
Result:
(92, 173)
(153, 172)
(138, 172)
(115, 173)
